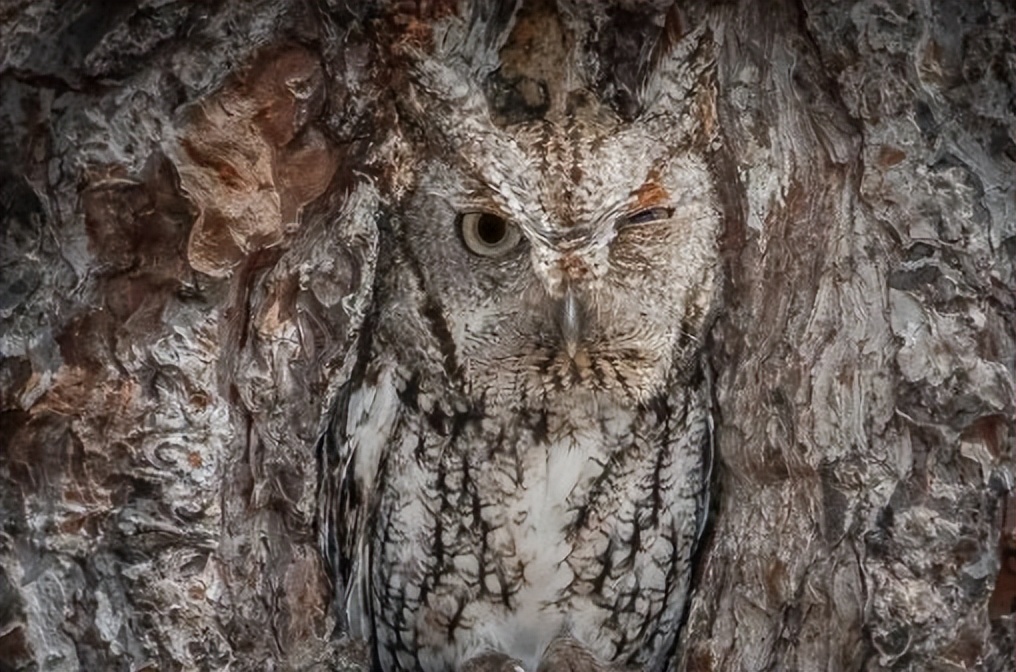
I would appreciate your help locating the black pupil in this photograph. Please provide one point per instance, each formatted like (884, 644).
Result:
(491, 229)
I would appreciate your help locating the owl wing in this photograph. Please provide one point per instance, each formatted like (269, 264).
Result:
(346, 499)
(350, 453)
(709, 455)
(340, 508)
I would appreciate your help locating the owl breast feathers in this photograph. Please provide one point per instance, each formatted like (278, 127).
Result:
(515, 471)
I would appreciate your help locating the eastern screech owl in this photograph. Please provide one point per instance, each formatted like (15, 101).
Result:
(517, 466)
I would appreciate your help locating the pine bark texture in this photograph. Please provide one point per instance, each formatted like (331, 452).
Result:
(177, 266)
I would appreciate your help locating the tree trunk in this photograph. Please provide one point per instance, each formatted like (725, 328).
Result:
(180, 193)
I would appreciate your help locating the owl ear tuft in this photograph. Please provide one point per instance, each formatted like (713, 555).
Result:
(488, 28)
(683, 75)
(469, 40)
(628, 47)
(649, 57)
(460, 52)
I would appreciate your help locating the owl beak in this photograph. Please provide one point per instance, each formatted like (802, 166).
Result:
(570, 322)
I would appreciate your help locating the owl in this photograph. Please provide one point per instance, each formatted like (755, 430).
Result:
(515, 470)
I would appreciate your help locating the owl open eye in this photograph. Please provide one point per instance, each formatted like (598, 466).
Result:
(488, 235)
(648, 215)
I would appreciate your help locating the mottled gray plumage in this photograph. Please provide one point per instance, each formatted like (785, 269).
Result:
(517, 466)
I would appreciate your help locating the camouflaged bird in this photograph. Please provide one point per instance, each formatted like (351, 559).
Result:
(515, 471)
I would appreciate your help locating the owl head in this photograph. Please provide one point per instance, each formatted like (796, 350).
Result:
(557, 248)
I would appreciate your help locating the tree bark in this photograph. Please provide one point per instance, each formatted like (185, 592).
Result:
(182, 189)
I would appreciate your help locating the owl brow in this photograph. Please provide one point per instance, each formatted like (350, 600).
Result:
(478, 194)
(491, 174)
(482, 199)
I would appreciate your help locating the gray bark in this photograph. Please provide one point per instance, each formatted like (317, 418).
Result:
(176, 268)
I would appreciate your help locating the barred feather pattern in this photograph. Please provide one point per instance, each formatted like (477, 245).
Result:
(464, 520)
(462, 532)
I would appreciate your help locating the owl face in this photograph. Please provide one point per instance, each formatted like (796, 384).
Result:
(562, 257)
